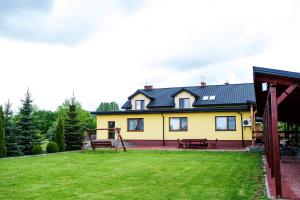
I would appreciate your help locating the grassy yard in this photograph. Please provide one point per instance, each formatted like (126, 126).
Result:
(142, 174)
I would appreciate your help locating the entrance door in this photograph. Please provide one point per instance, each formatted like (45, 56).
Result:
(111, 134)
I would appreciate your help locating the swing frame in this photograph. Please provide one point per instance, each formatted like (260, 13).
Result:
(117, 131)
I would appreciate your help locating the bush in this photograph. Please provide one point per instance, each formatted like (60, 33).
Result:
(52, 147)
(37, 149)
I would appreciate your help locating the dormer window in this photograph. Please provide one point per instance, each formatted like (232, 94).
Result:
(184, 103)
(140, 105)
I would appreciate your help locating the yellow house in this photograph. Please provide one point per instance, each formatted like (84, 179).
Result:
(159, 116)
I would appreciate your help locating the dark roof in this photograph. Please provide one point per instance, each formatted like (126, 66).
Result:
(232, 94)
(275, 72)
(158, 111)
(289, 109)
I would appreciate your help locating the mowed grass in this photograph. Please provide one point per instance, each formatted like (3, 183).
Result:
(135, 174)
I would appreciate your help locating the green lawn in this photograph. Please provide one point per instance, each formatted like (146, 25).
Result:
(139, 174)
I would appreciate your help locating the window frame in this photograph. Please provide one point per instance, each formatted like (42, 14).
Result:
(139, 130)
(181, 103)
(142, 104)
(180, 124)
(227, 123)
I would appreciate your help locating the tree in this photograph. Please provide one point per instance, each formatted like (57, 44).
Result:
(106, 107)
(85, 118)
(2, 135)
(44, 120)
(73, 135)
(27, 125)
(11, 134)
(59, 135)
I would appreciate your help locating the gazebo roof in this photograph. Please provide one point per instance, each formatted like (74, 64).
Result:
(289, 108)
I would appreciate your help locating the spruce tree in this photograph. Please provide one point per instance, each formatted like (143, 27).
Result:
(59, 135)
(2, 135)
(11, 134)
(73, 136)
(27, 125)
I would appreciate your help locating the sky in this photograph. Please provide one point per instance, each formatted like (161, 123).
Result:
(104, 50)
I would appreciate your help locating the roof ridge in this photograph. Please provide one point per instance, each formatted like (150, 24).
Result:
(182, 87)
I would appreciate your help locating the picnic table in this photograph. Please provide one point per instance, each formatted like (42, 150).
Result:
(195, 143)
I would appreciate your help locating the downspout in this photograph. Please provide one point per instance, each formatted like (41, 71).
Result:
(243, 142)
(163, 133)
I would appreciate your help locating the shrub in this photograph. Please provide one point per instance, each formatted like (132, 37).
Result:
(37, 149)
(52, 147)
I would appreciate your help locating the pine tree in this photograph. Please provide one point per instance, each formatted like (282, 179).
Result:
(59, 135)
(2, 135)
(11, 134)
(27, 126)
(73, 136)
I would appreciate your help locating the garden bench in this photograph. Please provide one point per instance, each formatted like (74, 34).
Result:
(195, 143)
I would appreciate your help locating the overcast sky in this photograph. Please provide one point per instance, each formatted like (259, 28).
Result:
(106, 49)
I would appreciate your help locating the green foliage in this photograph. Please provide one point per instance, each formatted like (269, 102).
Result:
(37, 149)
(73, 135)
(50, 135)
(106, 106)
(86, 120)
(27, 125)
(11, 133)
(44, 119)
(60, 135)
(2, 134)
(52, 147)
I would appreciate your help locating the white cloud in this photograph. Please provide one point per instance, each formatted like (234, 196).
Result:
(165, 43)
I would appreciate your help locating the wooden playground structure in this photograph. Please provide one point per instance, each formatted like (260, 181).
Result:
(105, 143)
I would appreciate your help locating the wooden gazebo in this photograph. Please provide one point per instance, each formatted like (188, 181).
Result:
(278, 99)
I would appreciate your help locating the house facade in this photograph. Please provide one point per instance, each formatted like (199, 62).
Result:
(159, 116)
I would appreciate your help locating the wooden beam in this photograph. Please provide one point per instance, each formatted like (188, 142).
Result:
(280, 81)
(286, 93)
(275, 142)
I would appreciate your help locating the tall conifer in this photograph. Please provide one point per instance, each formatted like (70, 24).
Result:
(73, 136)
(27, 125)
(11, 133)
(2, 135)
(59, 135)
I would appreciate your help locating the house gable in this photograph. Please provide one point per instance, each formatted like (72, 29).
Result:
(184, 94)
(139, 97)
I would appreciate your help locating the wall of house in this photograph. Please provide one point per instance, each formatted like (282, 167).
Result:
(139, 97)
(200, 125)
(184, 94)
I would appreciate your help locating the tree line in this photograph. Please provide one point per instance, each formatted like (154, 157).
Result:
(24, 132)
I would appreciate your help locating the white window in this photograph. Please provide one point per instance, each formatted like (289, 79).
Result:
(140, 105)
(184, 103)
(205, 98)
(225, 123)
(212, 97)
(178, 124)
(135, 124)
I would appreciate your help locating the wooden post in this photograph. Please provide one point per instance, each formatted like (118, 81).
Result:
(252, 125)
(275, 138)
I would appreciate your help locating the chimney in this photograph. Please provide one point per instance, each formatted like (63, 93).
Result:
(227, 83)
(148, 87)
